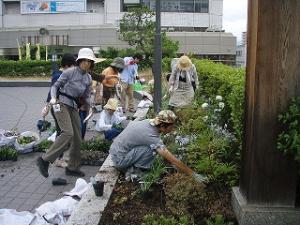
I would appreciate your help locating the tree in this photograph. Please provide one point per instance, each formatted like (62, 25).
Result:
(137, 27)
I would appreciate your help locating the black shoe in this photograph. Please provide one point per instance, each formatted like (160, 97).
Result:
(43, 166)
(75, 173)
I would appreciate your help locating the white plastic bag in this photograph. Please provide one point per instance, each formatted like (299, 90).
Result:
(26, 147)
(4, 140)
(52, 137)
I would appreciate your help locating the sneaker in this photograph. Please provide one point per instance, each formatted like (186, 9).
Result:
(60, 163)
(75, 173)
(43, 166)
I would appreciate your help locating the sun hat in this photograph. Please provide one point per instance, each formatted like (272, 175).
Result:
(86, 53)
(118, 63)
(164, 116)
(111, 104)
(184, 63)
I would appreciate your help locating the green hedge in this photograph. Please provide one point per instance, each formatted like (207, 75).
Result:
(218, 79)
(10, 68)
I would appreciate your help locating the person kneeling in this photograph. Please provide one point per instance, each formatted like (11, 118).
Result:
(109, 121)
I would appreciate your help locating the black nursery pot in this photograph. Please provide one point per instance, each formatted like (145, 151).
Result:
(98, 188)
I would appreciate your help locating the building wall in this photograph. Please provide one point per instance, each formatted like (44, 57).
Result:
(241, 55)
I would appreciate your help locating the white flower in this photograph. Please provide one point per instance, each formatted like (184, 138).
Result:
(205, 118)
(221, 105)
(217, 110)
(219, 98)
(204, 105)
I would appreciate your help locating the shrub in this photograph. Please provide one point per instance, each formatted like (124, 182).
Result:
(25, 68)
(288, 140)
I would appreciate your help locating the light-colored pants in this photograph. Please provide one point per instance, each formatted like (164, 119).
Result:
(69, 123)
(127, 91)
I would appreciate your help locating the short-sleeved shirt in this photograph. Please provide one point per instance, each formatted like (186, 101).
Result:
(136, 134)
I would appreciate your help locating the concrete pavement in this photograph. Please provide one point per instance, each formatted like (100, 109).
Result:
(21, 185)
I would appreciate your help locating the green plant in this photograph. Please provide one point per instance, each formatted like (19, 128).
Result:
(8, 153)
(152, 219)
(24, 140)
(43, 145)
(154, 175)
(217, 220)
(288, 140)
(96, 144)
(185, 196)
(137, 27)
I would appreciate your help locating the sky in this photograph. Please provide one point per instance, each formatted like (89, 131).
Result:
(235, 17)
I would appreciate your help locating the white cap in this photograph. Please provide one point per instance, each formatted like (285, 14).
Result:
(86, 53)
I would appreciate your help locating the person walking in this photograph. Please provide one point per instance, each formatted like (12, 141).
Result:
(73, 84)
(182, 83)
(67, 61)
(128, 76)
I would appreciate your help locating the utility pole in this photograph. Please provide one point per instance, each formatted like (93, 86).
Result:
(157, 62)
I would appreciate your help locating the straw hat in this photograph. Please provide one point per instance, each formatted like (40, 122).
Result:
(111, 104)
(184, 63)
(164, 116)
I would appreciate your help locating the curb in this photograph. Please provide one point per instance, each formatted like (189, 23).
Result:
(21, 83)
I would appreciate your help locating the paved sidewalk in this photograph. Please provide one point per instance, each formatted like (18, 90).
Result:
(23, 188)
(21, 185)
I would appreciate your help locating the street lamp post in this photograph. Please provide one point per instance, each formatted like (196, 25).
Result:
(157, 62)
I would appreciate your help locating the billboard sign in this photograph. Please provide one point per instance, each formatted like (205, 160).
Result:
(59, 6)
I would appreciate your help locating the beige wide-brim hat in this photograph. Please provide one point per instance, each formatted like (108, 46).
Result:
(184, 63)
(164, 116)
(111, 104)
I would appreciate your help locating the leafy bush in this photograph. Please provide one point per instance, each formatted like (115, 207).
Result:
(288, 140)
(163, 220)
(96, 144)
(217, 220)
(217, 79)
(25, 68)
(8, 153)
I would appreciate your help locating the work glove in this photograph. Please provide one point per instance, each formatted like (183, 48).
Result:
(199, 178)
(171, 89)
(53, 101)
(45, 111)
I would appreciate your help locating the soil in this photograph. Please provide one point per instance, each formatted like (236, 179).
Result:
(128, 206)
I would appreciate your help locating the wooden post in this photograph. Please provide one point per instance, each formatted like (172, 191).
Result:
(273, 78)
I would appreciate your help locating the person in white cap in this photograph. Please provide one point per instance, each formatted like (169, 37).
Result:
(72, 89)
(109, 120)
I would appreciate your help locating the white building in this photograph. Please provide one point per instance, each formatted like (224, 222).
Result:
(196, 24)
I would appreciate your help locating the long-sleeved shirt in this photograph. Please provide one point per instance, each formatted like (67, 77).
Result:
(74, 82)
(129, 72)
(55, 76)
(106, 120)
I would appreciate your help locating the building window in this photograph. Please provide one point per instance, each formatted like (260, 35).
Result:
(201, 6)
(127, 4)
(197, 6)
(11, 7)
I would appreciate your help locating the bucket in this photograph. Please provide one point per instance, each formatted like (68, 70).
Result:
(98, 188)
